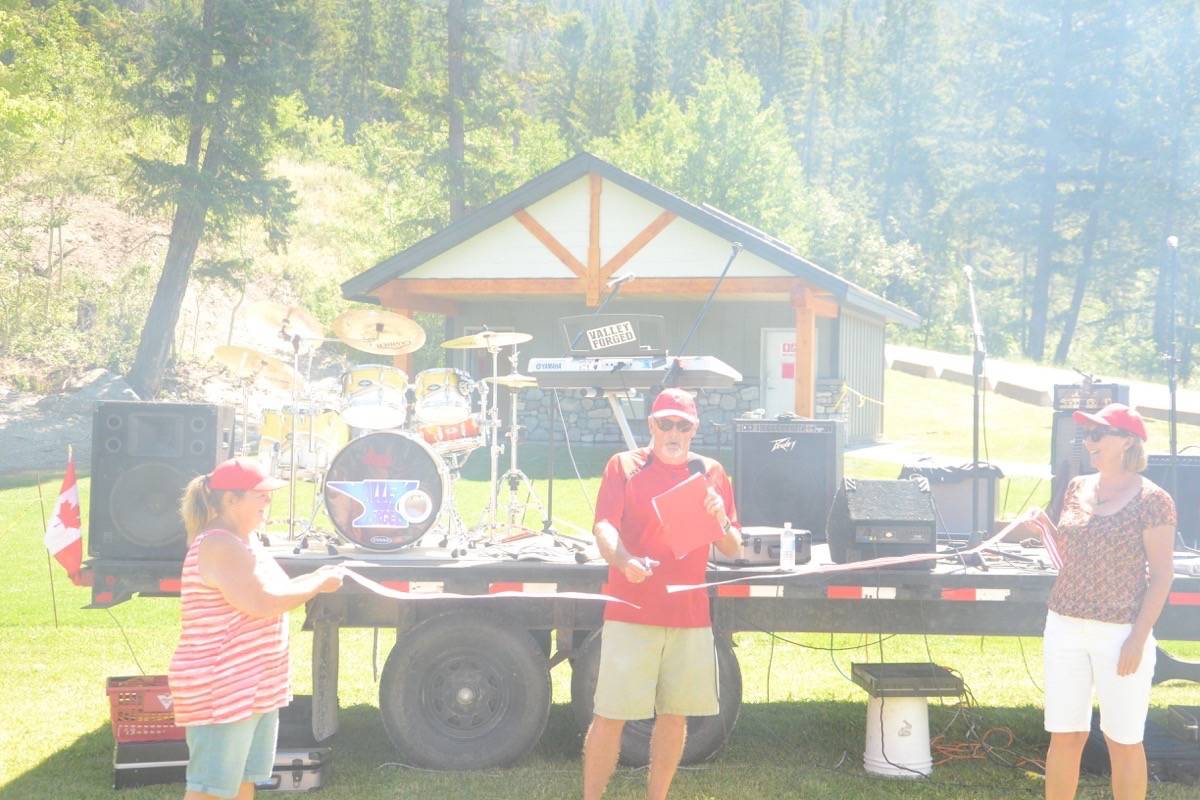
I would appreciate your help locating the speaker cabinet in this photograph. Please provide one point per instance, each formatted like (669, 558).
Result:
(1068, 457)
(143, 455)
(1186, 494)
(953, 494)
(878, 519)
(786, 470)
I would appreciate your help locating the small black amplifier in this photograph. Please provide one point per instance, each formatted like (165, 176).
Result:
(880, 519)
(1088, 397)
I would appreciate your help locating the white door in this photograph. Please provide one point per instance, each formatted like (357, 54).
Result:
(778, 371)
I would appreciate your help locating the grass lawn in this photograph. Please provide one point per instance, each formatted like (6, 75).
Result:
(801, 729)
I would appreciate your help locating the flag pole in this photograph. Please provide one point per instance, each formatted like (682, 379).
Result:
(49, 566)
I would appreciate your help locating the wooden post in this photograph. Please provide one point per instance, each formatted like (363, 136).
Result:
(806, 351)
(592, 276)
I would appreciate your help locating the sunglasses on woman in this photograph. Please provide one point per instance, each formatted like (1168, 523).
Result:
(1096, 434)
(668, 425)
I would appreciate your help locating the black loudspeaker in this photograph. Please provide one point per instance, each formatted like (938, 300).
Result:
(879, 519)
(143, 455)
(1068, 457)
(1187, 492)
(786, 470)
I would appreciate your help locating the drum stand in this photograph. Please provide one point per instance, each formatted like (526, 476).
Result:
(514, 477)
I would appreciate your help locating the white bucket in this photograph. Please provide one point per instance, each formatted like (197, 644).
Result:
(898, 737)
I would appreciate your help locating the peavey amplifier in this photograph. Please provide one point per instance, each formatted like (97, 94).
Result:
(760, 546)
(878, 519)
(786, 470)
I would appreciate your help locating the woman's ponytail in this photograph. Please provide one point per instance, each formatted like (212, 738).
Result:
(198, 507)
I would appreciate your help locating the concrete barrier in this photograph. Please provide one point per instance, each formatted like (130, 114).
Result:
(1184, 417)
(914, 368)
(959, 376)
(1026, 394)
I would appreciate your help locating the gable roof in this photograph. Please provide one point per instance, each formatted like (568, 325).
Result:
(728, 227)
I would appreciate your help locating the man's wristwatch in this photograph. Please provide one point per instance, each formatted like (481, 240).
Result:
(728, 526)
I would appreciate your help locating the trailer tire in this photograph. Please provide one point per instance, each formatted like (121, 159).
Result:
(465, 691)
(706, 736)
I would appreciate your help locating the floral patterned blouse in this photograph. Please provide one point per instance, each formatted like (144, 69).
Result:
(1104, 574)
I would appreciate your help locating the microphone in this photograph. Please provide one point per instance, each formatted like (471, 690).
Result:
(615, 282)
(970, 273)
(696, 467)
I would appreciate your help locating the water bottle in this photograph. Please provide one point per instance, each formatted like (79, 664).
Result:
(787, 547)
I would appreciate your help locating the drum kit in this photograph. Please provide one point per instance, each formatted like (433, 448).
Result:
(386, 453)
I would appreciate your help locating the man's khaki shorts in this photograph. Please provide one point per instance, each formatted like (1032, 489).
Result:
(648, 669)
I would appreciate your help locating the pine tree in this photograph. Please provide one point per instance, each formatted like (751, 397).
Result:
(604, 101)
(649, 60)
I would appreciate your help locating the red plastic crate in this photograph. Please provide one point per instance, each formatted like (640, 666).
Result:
(141, 710)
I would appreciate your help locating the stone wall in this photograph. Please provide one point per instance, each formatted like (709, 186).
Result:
(590, 419)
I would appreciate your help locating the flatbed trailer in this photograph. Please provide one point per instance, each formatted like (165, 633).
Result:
(467, 685)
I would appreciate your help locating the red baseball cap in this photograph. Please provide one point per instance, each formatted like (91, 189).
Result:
(242, 475)
(675, 403)
(1116, 415)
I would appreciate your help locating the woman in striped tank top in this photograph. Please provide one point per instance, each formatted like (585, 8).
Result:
(229, 675)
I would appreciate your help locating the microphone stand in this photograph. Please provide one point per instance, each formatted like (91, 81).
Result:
(1172, 362)
(980, 353)
(672, 371)
(555, 410)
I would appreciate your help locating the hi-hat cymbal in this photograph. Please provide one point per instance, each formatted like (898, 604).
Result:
(280, 323)
(383, 333)
(513, 380)
(486, 339)
(248, 364)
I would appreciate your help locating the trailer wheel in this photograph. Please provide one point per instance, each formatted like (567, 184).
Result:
(465, 691)
(706, 736)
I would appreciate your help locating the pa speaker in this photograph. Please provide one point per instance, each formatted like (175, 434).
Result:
(1068, 457)
(879, 519)
(786, 470)
(143, 455)
(1186, 492)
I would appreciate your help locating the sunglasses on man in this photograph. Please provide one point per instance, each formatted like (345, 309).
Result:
(1096, 434)
(667, 425)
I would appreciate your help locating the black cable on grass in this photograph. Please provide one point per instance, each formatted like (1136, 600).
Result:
(1025, 661)
(128, 644)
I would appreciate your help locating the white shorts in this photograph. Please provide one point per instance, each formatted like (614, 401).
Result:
(1082, 654)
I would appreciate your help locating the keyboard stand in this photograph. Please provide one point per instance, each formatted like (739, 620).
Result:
(614, 402)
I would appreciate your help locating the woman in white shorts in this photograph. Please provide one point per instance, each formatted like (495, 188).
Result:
(1115, 538)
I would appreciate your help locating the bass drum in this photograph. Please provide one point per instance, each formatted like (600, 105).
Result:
(384, 490)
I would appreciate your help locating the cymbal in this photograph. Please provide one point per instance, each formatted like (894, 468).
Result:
(513, 380)
(374, 330)
(249, 364)
(486, 339)
(277, 321)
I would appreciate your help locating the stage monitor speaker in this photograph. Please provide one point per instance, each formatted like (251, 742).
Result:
(1068, 457)
(143, 455)
(786, 470)
(1186, 494)
(880, 519)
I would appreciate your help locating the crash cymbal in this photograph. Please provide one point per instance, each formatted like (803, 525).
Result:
(513, 380)
(248, 364)
(486, 339)
(277, 323)
(383, 333)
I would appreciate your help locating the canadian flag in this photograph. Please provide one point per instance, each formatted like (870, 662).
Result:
(63, 536)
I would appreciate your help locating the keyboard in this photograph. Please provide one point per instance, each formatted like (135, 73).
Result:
(633, 372)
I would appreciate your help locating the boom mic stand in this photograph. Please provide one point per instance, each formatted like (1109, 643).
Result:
(548, 523)
(673, 370)
(1172, 364)
(980, 353)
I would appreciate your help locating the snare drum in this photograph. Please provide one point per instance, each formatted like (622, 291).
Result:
(384, 490)
(460, 437)
(443, 396)
(373, 397)
(320, 433)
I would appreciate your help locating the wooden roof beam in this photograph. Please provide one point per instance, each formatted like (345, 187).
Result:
(547, 239)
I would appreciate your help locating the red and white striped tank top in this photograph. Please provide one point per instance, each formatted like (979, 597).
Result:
(228, 665)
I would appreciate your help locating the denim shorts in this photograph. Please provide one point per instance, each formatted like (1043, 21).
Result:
(223, 756)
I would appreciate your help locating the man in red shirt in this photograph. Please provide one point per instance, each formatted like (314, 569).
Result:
(656, 659)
